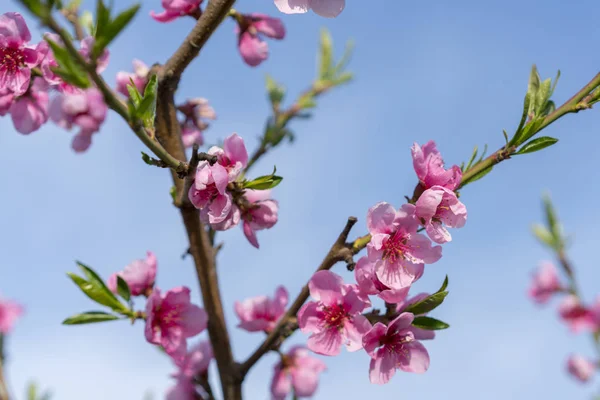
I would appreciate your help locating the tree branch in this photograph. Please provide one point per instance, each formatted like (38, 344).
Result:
(3, 385)
(338, 252)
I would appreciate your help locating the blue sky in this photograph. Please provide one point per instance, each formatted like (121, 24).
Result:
(455, 73)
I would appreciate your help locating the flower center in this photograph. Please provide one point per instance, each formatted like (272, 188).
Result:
(335, 316)
(395, 343)
(395, 247)
(11, 59)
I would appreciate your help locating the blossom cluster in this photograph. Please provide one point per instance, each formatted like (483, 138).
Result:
(396, 255)
(10, 311)
(223, 204)
(578, 316)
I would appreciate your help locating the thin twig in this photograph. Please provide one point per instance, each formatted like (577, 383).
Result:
(339, 252)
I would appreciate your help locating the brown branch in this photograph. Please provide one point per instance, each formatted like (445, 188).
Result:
(340, 251)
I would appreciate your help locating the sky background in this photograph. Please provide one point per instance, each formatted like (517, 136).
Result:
(453, 72)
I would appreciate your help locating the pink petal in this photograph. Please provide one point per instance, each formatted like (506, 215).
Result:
(281, 385)
(252, 49)
(235, 149)
(382, 369)
(271, 27)
(416, 360)
(401, 322)
(327, 8)
(293, 6)
(165, 16)
(305, 382)
(326, 286)
(250, 234)
(193, 320)
(354, 332)
(309, 317)
(13, 25)
(372, 338)
(380, 218)
(327, 342)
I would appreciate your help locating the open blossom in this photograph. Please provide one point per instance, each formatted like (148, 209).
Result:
(261, 313)
(399, 252)
(581, 368)
(171, 319)
(437, 207)
(545, 283)
(209, 192)
(175, 9)
(30, 111)
(260, 213)
(195, 362)
(7, 99)
(196, 112)
(85, 110)
(429, 166)
(394, 347)
(576, 315)
(297, 371)
(139, 275)
(139, 76)
(325, 8)
(369, 283)
(17, 57)
(250, 44)
(334, 317)
(10, 311)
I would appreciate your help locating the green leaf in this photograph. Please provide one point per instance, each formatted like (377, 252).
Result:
(36, 7)
(95, 288)
(307, 101)
(68, 69)
(113, 29)
(32, 391)
(543, 235)
(537, 145)
(430, 324)
(343, 63)
(542, 96)
(102, 20)
(264, 182)
(473, 156)
(147, 107)
(477, 176)
(532, 88)
(90, 317)
(87, 22)
(326, 56)
(427, 304)
(172, 192)
(276, 91)
(123, 288)
(519, 132)
(134, 95)
(551, 218)
(444, 285)
(343, 78)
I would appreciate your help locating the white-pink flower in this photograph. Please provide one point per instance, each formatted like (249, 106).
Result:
(398, 251)
(10, 311)
(577, 316)
(139, 275)
(334, 317)
(394, 347)
(85, 110)
(195, 362)
(438, 206)
(369, 283)
(30, 111)
(174, 9)
(297, 371)
(545, 283)
(420, 334)
(260, 213)
(324, 8)
(196, 112)
(261, 313)
(429, 166)
(171, 319)
(581, 368)
(250, 30)
(17, 57)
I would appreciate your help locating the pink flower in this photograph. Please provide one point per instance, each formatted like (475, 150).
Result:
(139, 275)
(195, 362)
(7, 99)
(209, 192)
(545, 283)
(399, 252)
(175, 9)
(250, 44)
(394, 347)
(85, 49)
(581, 368)
(139, 77)
(196, 111)
(429, 166)
(30, 111)
(10, 311)
(85, 110)
(576, 315)
(297, 370)
(17, 58)
(325, 8)
(437, 206)
(171, 319)
(334, 318)
(420, 334)
(261, 313)
(260, 213)
(368, 283)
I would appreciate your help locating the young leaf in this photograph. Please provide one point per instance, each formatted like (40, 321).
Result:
(444, 285)
(95, 289)
(537, 145)
(90, 317)
(134, 95)
(147, 108)
(123, 288)
(430, 324)
(68, 69)
(532, 88)
(36, 7)
(551, 219)
(264, 182)
(326, 56)
(102, 20)
(542, 96)
(471, 159)
(276, 91)
(427, 304)
(477, 176)
(543, 235)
